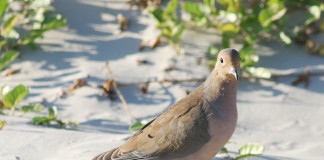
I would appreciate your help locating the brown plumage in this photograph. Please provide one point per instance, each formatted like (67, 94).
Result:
(196, 127)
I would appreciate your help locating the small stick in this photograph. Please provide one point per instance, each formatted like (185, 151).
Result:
(273, 76)
(120, 95)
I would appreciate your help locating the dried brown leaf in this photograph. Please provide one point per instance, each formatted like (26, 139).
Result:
(77, 84)
(11, 72)
(311, 46)
(122, 22)
(143, 44)
(144, 88)
(156, 42)
(107, 86)
(303, 78)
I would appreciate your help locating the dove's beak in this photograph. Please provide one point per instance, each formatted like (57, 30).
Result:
(234, 72)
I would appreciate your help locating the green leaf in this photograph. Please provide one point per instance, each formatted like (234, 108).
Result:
(13, 98)
(53, 22)
(137, 125)
(3, 42)
(258, 72)
(52, 112)
(7, 58)
(314, 13)
(231, 28)
(31, 38)
(13, 34)
(39, 17)
(4, 90)
(40, 3)
(273, 12)
(166, 36)
(250, 39)
(32, 108)
(177, 32)
(225, 41)
(3, 7)
(204, 9)
(246, 51)
(171, 8)
(41, 120)
(158, 14)
(2, 124)
(9, 24)
(211, 4)
(286, 39)
(251, 149)
(279, 14)
(203, 21)
(224, 150)
(264, 18)
(192, 8)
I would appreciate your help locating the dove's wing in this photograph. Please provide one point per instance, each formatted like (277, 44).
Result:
(175, 133)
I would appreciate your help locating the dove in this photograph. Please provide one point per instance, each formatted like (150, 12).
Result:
(194, 128)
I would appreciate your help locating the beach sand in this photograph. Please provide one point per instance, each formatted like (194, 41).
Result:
(287, 120)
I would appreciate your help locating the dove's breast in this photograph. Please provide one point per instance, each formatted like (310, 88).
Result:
(220, 130)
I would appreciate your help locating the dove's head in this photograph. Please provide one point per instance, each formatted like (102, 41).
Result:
(228, 63)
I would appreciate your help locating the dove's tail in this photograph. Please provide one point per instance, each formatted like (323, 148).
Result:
(105, 156)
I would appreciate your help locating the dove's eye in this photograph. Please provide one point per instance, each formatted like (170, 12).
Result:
(221, 60)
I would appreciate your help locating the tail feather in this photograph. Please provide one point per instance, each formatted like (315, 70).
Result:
(105, 156)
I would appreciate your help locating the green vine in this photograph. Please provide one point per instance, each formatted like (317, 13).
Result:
(22, 22)
(246, 22)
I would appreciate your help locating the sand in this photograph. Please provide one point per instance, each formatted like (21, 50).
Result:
(287, 120)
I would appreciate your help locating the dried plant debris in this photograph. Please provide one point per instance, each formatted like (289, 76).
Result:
(122, 22)
(312, 29)
(142, 46)
(304, 78)
(301, 37)
(144, 3)
(144, 88)
(170, 68)
(11, 72)
(108, 90)
(156, 42)
(187, 92)
(304, 35)
(142, 61)
(77, 84)
(107, 86)
(312, 47)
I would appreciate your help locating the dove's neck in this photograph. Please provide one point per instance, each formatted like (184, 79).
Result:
(220, 90)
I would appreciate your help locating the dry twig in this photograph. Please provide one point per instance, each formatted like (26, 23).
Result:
(120, 95)
(302, 78)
